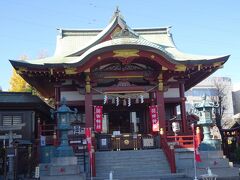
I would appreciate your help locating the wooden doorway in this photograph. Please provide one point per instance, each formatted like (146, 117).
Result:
(119, 121)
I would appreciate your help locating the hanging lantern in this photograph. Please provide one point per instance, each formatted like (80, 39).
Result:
(105, 99)
(129, 102)
(117, 101)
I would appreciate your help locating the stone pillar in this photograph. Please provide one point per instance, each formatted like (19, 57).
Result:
(88, 103)
(183, 107)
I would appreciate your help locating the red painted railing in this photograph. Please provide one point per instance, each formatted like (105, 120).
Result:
(169, 152)
(185, 141)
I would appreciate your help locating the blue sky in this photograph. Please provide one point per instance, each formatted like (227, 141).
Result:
(199, 27)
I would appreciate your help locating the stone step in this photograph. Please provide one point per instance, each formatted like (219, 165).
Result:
(140, 172)
(213, 163)
(139, 160)
(117, 153)
(124, 168)
(132, 164)
(64, 177)
(130, 156)
(163, 176)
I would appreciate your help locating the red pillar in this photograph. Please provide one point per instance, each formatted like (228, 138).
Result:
(88, 110)
(161, 109)
(183, 107)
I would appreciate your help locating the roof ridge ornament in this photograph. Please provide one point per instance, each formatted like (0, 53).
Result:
(117, 14)
(125, 33)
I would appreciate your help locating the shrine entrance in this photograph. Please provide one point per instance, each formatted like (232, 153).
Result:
(125, 128)
(123, 119)
(119, 121)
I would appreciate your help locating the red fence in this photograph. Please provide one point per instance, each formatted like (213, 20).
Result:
(169, 152)
(185, 141)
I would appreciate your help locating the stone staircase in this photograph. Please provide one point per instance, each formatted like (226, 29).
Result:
(142, 164)
(215, 160)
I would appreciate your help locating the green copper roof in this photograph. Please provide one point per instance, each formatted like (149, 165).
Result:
(75, 45)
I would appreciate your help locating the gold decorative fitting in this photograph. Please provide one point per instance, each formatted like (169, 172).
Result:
(21, 70)
(180, 67)
(116, 31)
(88, 85)
(160, 85)
(70, 70)
(51, 71)
(125, 53)
(217, 64)
(126, 142)
(160, 82)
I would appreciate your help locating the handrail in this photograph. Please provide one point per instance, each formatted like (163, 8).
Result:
(182, 141)
(169, 152)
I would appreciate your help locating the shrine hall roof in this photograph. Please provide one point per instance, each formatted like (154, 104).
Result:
(76, 45)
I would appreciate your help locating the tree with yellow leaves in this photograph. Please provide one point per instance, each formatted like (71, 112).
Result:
(17, 83)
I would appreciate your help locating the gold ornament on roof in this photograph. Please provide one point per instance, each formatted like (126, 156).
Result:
(217, 64)
(70, 70)
(160, 82)
(180, 67)
(116, 31)
(21, 70)
(125, 53)
(88, 85)
(152, 56)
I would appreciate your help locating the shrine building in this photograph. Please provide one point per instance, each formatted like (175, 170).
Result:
(136, 75)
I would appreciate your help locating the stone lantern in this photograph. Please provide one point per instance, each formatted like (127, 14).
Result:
(64, 162)
(204, 111)
(64, 114)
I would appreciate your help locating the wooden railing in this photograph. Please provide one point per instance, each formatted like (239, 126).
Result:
(169, 152)
(185, 141)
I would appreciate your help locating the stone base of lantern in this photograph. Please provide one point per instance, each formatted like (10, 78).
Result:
(210, 145)
(64, 166)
